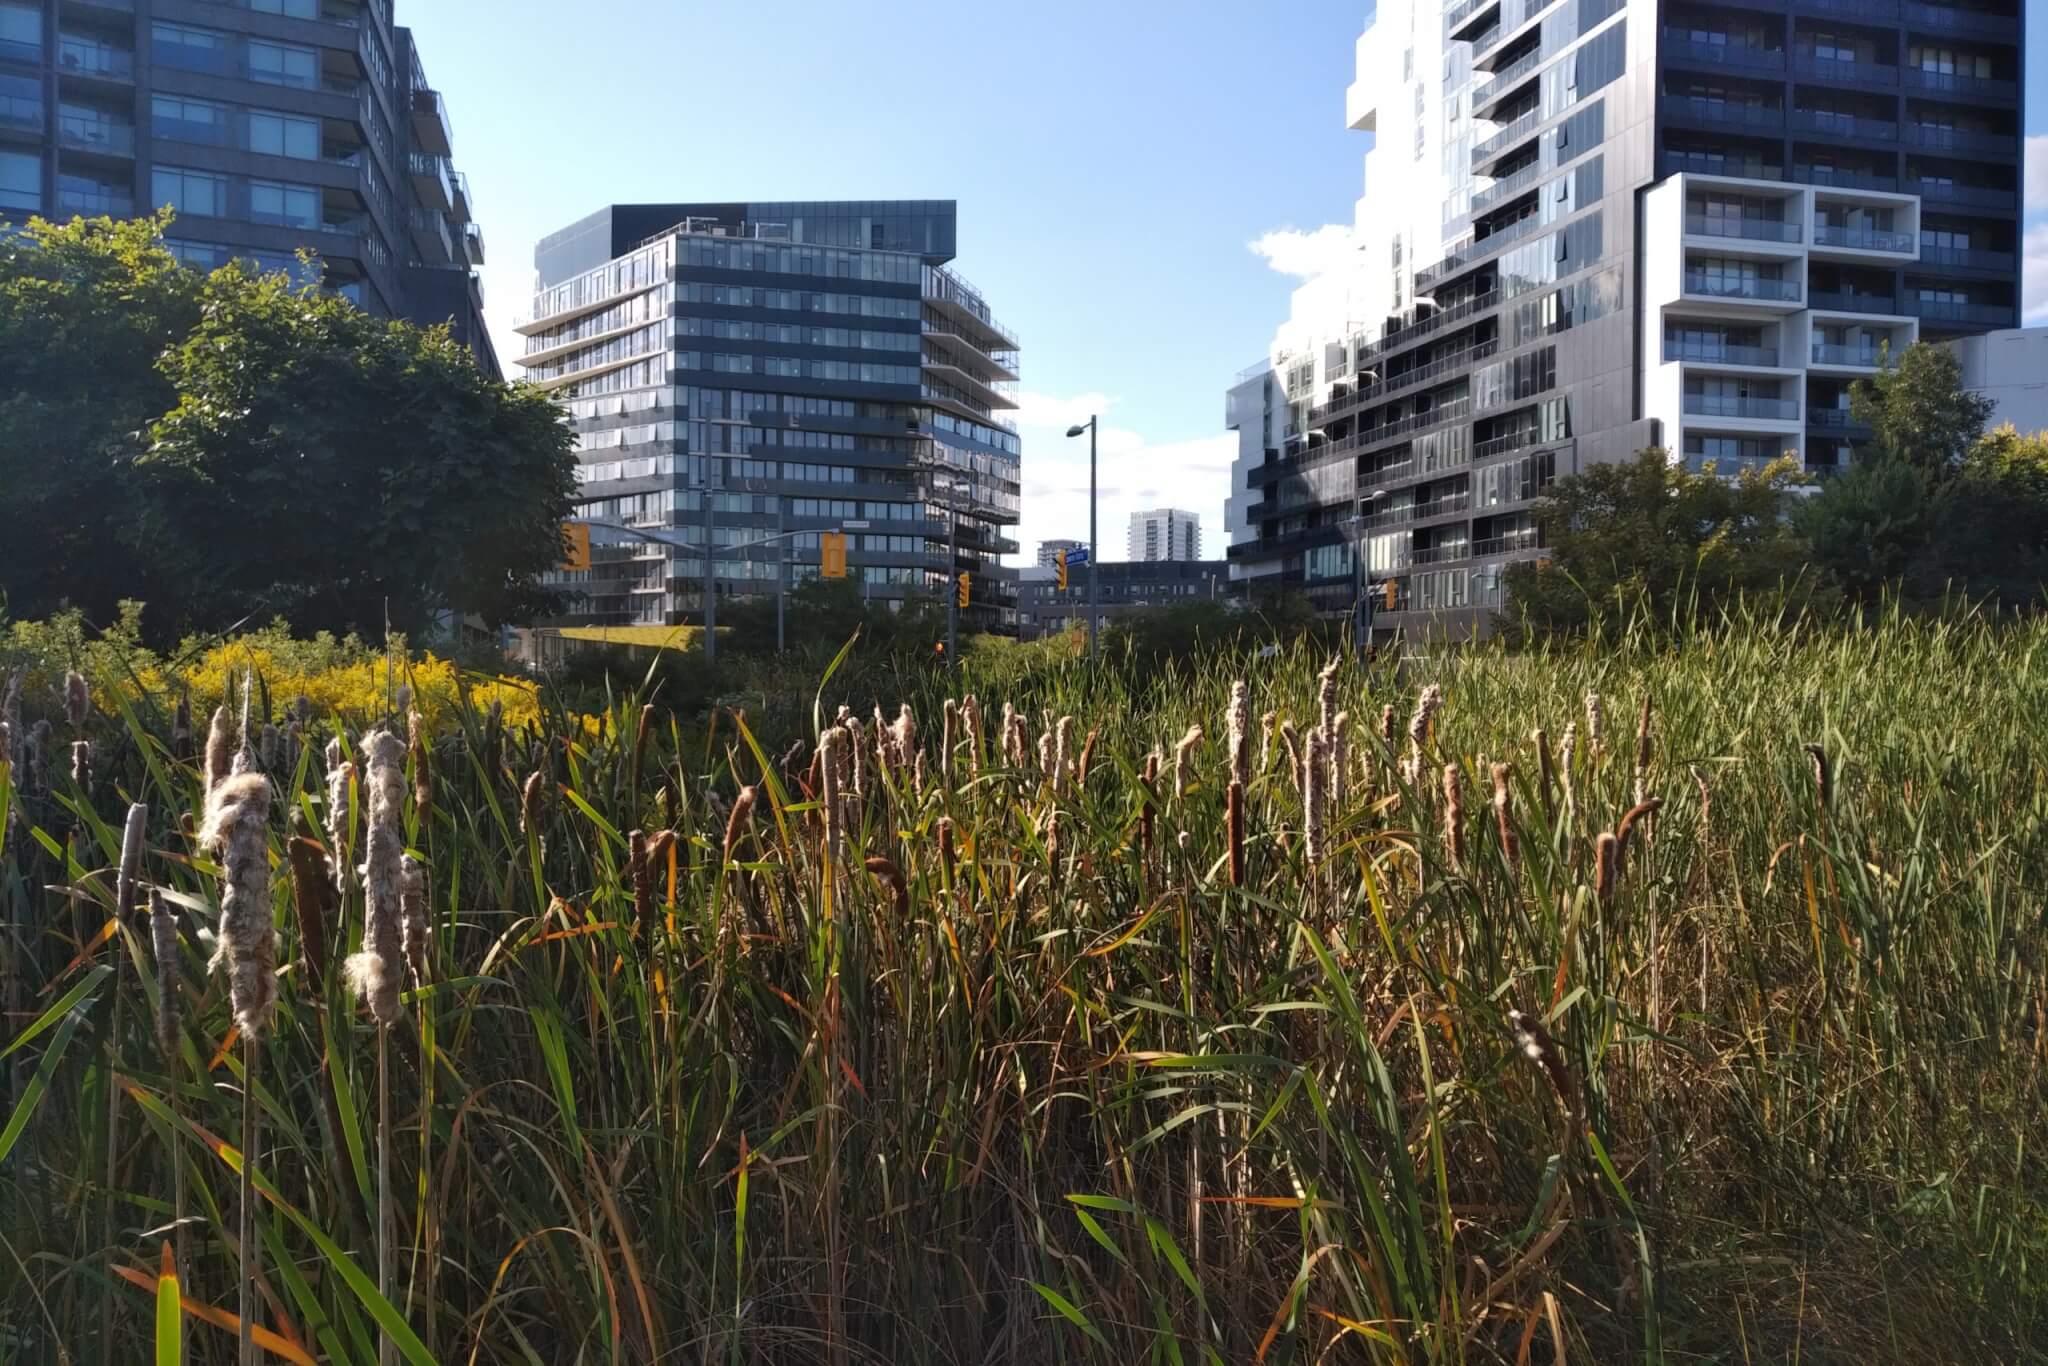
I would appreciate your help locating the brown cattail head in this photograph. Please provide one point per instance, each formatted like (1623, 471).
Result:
(1291, 741)
(944, 825)
(1267, 731)
(220, 747)
(891, 877)
(236, 812)
(1823, 776)
(532, 805)
(1643, 738)
(831, 748)
(1595, 723)
(642, 733)
(1239, 725)
(970, 716)
(949, 716)
(1643, 809)
(1504, 814)
(1087, 755)
(1539, 1048)
(1567, 765)
(740, 820)
(415, 932)
(1314, 795)
(1062, 751)
(422, 755)
(640, 871)
(81, 764)
(163, 939)
(77, 699)
(1326, 697)
(1546, 774)
(1184, 762)
(373, 972)
(1339, 736)
(1233, 814)
(1387, 724)
(1606, 865)
(1454, 814)
(1423, 721)
(133, 836)
(313, 896)
(857, 757)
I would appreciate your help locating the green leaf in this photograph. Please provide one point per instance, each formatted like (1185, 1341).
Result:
(1067, 1310)
(32, 1095)
(170, 1314)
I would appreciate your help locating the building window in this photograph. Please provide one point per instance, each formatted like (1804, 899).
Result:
(291, 206)
(280, 135)
(188, 48)
(190, 192)
(188, 120)
(21, 180)
(292, 9)
(21, 31)
(283, 64)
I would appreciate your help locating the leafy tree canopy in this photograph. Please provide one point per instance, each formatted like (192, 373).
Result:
(234, 445)
(1918, 411)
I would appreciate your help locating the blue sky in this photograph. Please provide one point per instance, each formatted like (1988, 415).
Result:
(1140, 181)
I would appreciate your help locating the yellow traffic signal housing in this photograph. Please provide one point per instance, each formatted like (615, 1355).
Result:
(832, 554)
(1060, 568)
(1393, 595)
(965, 591)
(576, 542)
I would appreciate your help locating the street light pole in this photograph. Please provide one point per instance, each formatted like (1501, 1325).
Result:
(712, 457)
(1361, 601)
(1093, 557)
(952, 571)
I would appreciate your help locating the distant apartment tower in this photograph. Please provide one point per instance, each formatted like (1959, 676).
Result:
(817, 364)
(1165, 534)
(1049, 551)
(1599, 226)
(269, 125)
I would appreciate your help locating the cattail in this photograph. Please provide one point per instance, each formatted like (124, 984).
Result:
(1606, 865)
(10, 707)
(266, 747)
(948, 715)
(1087, 755)
(830, 746)
(1823, 776)
(1045, 757)
(341, 776)
(944, 826)
(181, 727)
(740, 820)
(7, 743)
(1314, 792)
(904, 736)
(245, 748)
(1546, 774)
(1595, 741)
(1184, 762)
(531, 800)
(1639, 812)
(1266, 735)
(1233, 812)
(313, 895)
(1015, 739)
(1504, 815)
(77, 699)
(792, 760)
(891, 877)
(1062, 751)
(1568, 759)
(1642, 788)
(220, 747)
(373, 972)
(1052, 839)
(970, 716)
(1421, 723)
(39, 757)
(1326, 697)
(1538, 1047)
(163, 938)
(414, 931)
(1699, 777)
(1454, 814)
(661, 847)
(639, 869)
(129, 874)
(81, 764)
(1147, 798)
(1387, 725)
(1339, 737)
(917, 771)
(642, 733)
(233, 831)
(1238, 723)
(857, 750)
(422, 756)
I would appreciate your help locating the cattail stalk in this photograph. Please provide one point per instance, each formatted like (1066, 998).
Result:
(373, 972)
(1087, 755)
(1326, 698)
(1642, 774)
(163, 939)
(1568, 761)
(1504, 816)
(1062, 752)
(1233, 811)
(1338, 735)
(1184, 762)
(1596, 744)
(1454, 814)
(129, 871)
(422, 756)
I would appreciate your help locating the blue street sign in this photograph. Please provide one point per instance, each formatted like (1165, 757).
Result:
(1075, 557)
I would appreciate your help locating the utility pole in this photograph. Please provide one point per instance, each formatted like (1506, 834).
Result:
(952, 569)
(1093, 601)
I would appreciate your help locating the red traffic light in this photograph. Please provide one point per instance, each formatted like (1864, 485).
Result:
(938, 647)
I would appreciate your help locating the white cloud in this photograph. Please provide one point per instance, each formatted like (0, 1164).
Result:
(2036, 181)
(2034, 274)
(1306, 255)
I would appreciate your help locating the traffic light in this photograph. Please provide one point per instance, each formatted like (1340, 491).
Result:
(576, 545)
(832, 554)
(965, 593)
(1059, 569)
(939, 649)
(1393, 594)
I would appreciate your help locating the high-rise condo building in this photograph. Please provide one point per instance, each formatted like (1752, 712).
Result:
(817, 365)
(1165, 534)
(1049, 552)
(269, 125)
(1596, 226)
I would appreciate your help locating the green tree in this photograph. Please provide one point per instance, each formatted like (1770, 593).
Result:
(86, 308)
(1987, 536)
(1918, 411)
(234, 445)
(1867, 525)
(1649, 534)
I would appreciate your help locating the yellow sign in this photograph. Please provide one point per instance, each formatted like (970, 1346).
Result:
(1060, 568)
(576, 542)
(965, 580)
(832, 554)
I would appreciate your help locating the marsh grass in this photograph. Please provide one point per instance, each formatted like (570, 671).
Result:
(713, 1057)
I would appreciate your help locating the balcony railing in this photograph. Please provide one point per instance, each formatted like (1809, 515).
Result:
(1845, 72)
(1365, 393)
(1373, 436)
(1833, 419)
(1860, 9)
(1970, 258)
(1845, 301)
(1841, 125)
(1723, 54)
(85, 58)
(1504, 78)
(1718, 353)
(1723, 112)
(1848, 180)
(1955, 19)
(96, 135)
(19, 112)
(1501, 445)
(1730, 405)
(1737, 287)
(1826, 354)
(1961, 194)
(1507, 185)
(1955, 83)
(1505, 137)
(1507, 545)
(1751, 229)
(1436, 318)
(104, 201)
(1443, 554)
(1863, 239)
(1726, 465)
(1489, 40)
(1961, 140)
(1942, 310)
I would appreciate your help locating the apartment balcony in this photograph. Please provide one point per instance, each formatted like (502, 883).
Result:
(1968, 87)
(1775, 294)
(92, 61)
(1735, 56)
(1839, 125)
(1979, 196)
(1504, 445)
(1771, 231)
(1862, 359)
(1964, 141)
(1469, 17)
(430, 235)
(473, 242)
(431, 181)
(1838, 420)
(1504, 140)
(1967, 258)
(1510, 184)
(1722, 113)
(963, 305)
(1955, 19)
(1838, 72)
(96, 137)
(430, 122)
(1442, 554)
(1429, 323)
(1511, 28)
(21, 113)
(1729, 354)
(1379, 389)
(954, 372)
(1471, 253)
(1964, 314)
(14, 50)
(1728, 466)
(1847, 180)
(1773, 410)
(94, 201)
(461, 211)
(1509, 81)
(1848, 301)
(1863, 11)
(1863, 240)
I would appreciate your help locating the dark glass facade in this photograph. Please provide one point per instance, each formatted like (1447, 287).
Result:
(269, 125)
(811, 368)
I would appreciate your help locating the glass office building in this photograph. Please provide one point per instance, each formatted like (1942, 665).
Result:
(1597, 226)
(807, 368)
(269, 125)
